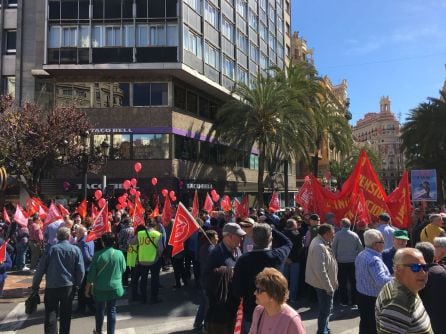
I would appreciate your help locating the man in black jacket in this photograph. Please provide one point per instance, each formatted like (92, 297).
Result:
(252, 263)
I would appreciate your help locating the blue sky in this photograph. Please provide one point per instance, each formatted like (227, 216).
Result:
(393, 47)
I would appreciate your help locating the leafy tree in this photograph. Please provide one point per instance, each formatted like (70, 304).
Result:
(262, 117)
(424, 138)
(33, 140)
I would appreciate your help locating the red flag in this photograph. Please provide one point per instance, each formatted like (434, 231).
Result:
(226, 204)
(32, 206)
(361, 212)
(82, 209)
(52, 215)
(167, 212)
(305, 196)
(399, 203)
(42, 213)
(138, 218)
(6, 216)
(3, 251)
(242, 210)
(62, 210)
(40, 203)
(183, 227)
(100, 225)
(195, 209)
(94, 211)
(156, 212)
(208, 204)
(274, 204)
(19, 216)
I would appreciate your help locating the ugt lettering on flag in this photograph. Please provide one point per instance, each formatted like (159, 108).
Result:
(183, 227)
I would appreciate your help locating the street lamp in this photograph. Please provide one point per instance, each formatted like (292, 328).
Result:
(105, 152)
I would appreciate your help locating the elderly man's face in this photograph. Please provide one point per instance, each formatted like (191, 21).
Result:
(410, 273)
(399, 243)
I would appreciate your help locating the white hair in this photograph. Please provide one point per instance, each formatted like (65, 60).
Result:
(371, 236)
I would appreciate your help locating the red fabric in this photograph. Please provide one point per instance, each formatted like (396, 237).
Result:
(82, 209)
(42, 213)
(304, 196)
(62, 210)
(100, 225)
(6, 216)
(167, 212)
(156, 212)
(225, 203)
(274, 204)
(208, 204)
(195, 208)
(94, 211)
(52, 215)
(138, 218)
(239, 319)
(3, 251)
(183, 227)
(20, 217)
(399, 203)
(32, 206)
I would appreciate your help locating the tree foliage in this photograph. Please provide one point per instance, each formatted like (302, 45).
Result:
(32, 140)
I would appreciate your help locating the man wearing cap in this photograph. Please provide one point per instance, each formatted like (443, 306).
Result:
(315, 222)
(400, 238)
(433, 229)
(220, 316)
(385, 229)
(247, 225)
(252, 263)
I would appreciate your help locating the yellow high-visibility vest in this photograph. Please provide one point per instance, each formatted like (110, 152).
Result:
(148, 248)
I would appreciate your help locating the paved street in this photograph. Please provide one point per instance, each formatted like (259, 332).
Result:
(175, 315)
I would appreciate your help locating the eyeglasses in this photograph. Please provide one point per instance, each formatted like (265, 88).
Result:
(416, 267)
(379, 242)
(259, 290)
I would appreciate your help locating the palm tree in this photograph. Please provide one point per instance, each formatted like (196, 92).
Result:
(424, 137)
(262, 117)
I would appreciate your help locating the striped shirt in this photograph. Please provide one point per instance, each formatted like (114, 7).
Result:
(399, 311)
(370, 272)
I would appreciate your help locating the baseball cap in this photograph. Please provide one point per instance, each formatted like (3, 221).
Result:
(401, 234)
(233, 228)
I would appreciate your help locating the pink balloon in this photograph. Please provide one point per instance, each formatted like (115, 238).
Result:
(164, 192)
(101, 202)
(118, 206)
(126, 184)
(171, 194)
(154, 181)
(137, 167)
(133, 182)
(133, 191)
(213, 192)
(97, 194)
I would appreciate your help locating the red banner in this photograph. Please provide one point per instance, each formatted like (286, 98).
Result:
(304, 196)
(183, 227)
(3, 251)
(225, 203)
(6, 216)
(167, 212)
(20, 217)
(274, 204)
(208, 204)
(82, 209)
(100, 225)
(195, 209)
(399, 203)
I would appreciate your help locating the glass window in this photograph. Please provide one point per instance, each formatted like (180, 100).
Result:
(129, 35)
(150, 146)
(254, 53)
(263, 61)
(121, 147)
(69, 9)
(112, 9)
(263, 32)
(179, 98)
(97, 38)
(279, 24)
(185, 148)
(54, 10)
(227, 29)
(141, 94)
(211, 15)
(204, 108)
(263, 4)
(113, 36)
(242, 75)
(272, 14)
(54, 37)
(193, 43)
(122, 95)
(97, 141)
(84, 40)
(10, 42)
(242, 7)
(69, 37)
(157, 35)
(192, 103)
(142, 35)
(194, 4)
(228, 67)
(211, 56)
(158, 94)
(254, 161)
(272, 42)
(98, 9)
(242, 42)
(253, 19)
(172, 35)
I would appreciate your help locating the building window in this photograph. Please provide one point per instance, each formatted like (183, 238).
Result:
(10, 41)
(211, 15)
(185, 148)
(129, 35)
(84, 40)
(172, 35)
(69, 37)
(228, 67)
(242, 8)
(242, 75)
(254, 53)
(12, 3)
(280, 50)
(263, 61)
(157, 35)
(113, 36)
(242, 42)
(211, 56)
(194, 4)
(150, 94)
(254, 161)
(272, 42)
(121, 147)
(227, 29)
(193, 43)
(253, 20)
(150, 146)
(279, 25)
(264, 32)
(272, 14)
(263, 4)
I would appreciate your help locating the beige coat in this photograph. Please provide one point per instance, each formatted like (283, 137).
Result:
(322, 269)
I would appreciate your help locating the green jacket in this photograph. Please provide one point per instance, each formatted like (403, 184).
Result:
(105, 274)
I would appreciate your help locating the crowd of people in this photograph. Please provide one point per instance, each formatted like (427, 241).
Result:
(270, 263)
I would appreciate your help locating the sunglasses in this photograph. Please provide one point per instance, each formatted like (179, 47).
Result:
(416, 267)
(259, 290)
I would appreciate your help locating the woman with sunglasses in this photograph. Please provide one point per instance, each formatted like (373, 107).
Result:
(273, 315)
(399, 309)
